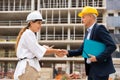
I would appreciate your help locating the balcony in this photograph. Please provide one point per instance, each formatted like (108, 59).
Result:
(16, 8)
(13, 23)
(8, 38)
(72, 4)
(15, 5)
(61, 37)
(49, 21)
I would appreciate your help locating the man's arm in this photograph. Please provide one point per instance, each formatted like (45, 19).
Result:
(76, 52)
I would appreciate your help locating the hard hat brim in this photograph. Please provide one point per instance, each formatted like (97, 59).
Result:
(80, 14)
(36, 19)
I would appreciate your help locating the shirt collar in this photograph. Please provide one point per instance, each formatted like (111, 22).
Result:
(30, 30)
(90, 28)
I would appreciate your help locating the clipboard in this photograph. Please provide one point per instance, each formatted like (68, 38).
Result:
(93, 48)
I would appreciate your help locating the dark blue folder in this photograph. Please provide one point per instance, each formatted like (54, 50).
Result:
(92, 47)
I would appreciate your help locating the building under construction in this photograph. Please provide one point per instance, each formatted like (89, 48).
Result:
(62, 28)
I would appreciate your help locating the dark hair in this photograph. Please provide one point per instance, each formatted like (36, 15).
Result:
(36, 20)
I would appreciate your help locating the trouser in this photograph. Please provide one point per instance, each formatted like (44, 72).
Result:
(98, 78)
(30, 74)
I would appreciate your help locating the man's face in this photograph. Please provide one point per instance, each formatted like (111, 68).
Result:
(86, 19)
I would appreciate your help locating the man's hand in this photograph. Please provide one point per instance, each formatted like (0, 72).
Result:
(60, 53)
(65, 52)
(92, 58)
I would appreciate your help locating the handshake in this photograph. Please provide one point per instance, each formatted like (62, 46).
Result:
(58, 52)
(61, 53)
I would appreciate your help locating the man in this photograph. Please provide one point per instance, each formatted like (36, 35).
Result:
(97, 67)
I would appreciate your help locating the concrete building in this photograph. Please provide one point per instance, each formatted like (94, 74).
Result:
(62, 27)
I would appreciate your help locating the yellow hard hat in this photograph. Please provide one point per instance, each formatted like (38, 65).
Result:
(87, 10)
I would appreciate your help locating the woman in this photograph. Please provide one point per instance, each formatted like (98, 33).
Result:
(29, 52)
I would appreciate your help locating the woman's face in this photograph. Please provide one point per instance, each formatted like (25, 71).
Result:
(35, 26)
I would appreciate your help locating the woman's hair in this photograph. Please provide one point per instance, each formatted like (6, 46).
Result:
(20, 34)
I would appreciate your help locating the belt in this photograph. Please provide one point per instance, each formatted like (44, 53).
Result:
(26, 58)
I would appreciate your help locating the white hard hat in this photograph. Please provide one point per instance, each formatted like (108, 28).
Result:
(35, 15)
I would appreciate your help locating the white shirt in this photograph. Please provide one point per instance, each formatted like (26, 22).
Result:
(28, 47)
(88, 37)
(89, 31)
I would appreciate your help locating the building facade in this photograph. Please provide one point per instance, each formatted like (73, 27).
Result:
(62, 27)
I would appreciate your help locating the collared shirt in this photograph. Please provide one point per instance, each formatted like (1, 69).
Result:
(28, 47)
(89, 31)
(88, 37)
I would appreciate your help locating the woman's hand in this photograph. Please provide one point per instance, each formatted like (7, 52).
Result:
(61, 53)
